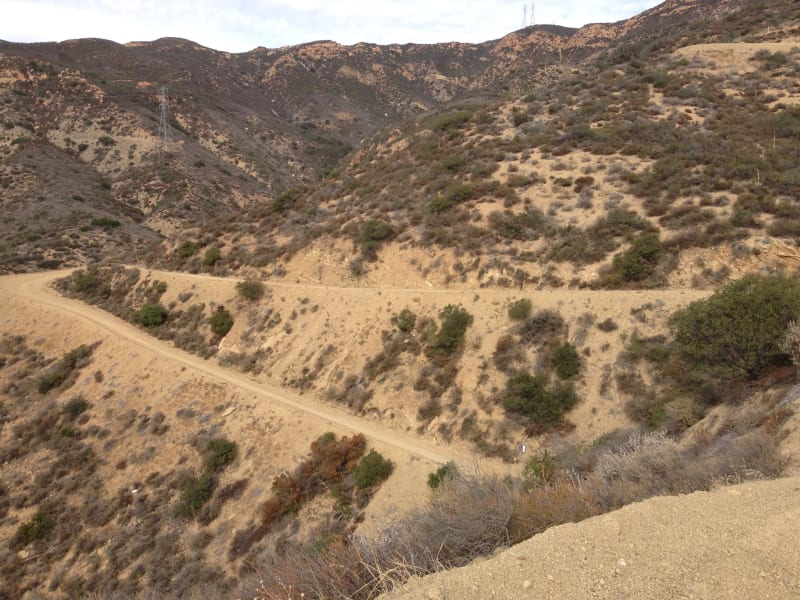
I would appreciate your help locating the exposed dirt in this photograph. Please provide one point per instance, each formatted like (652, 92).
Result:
(34, 288)
(733, 57)
(734, 542)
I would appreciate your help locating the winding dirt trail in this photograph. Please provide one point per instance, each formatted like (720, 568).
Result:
(36, 288)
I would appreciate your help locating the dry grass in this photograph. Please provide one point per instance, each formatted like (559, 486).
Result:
(472, 514)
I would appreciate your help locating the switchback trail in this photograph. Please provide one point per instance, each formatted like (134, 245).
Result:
(35, 288)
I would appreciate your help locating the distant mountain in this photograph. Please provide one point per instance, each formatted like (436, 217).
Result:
(244, 127)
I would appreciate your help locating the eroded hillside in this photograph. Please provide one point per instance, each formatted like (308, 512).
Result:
(557, 274)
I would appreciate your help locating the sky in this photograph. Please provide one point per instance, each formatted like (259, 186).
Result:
(241, 25)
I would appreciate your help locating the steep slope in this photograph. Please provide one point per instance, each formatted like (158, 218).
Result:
(704, 545)
(246, 127)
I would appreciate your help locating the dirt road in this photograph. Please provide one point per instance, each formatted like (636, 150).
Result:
(35, 288)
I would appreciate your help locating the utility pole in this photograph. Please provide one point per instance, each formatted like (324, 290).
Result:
(163, 123)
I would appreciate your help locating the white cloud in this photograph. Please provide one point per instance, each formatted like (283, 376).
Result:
(240, 25)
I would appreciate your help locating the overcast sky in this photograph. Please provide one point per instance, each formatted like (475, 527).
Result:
(241, 25)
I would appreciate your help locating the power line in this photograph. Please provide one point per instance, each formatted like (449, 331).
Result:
(525, 21)
(164, 130)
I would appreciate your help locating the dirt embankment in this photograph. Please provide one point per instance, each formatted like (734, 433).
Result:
(734, 542)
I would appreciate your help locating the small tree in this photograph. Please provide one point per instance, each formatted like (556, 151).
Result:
(195, 492)
(566, 361)
(739, 330)
(186, 249)
(221, 321)
(639, 262)
(37, 528)
(539, 470)
(450, 337)
(372, 235)
(372, 469)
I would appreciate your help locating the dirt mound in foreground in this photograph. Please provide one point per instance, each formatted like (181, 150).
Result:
(734, 542)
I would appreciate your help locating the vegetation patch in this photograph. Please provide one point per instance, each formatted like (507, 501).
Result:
(738, 331)
(221, 321)
(250, 289)
(64, 372)
(542, 403)
(372, 469)
(150, 315)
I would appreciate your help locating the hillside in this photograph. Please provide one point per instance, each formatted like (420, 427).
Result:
(654, 144)
(376, 312)
(89, 110)
(647, 550)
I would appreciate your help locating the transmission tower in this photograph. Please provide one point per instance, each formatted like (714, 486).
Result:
(524, 16)
(533, 14)
(164, 130)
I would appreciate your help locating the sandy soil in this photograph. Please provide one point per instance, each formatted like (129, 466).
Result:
(274, 426)
(33, 287)
(734, 542)
(700, 546)
(735, 56)
(351, 319)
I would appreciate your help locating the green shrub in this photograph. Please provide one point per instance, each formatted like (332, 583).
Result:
(63, 371)
(211, 257)
(373, 233)
(219, 453)
(406, 320)
(250, 289)
(186, 249)
(450, 337)
(639, 262)
(608, 325)
(455, 194)
(530, 396)
(539, 470)
(520, 309)
(106, 140)
(288, 199)
(738, 331)
(449, 120)
(85, 282)
(75, 407)
(446, 471)
(195, 492)
(35, 529)
(581, 132)
(150, 315)
(105, 222)
(566, 361)
(372, 469)
(519, 116)
(221, 321)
